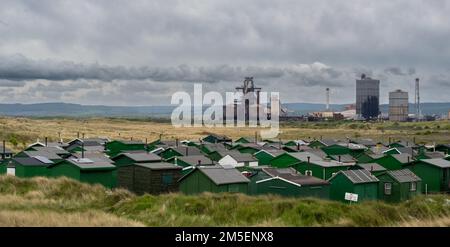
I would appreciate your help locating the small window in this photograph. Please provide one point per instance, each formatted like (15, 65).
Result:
(167, 178)
(308, 173)
(413, 186)
(387, 188)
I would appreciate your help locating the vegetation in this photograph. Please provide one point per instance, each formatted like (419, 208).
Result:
(20, 132)
(64, 202)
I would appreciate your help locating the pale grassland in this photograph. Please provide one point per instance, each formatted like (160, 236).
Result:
(23, 131)
(64, 202)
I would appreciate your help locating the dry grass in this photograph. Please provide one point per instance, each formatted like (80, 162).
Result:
(439, 222)
(41, 218)
(28, 130)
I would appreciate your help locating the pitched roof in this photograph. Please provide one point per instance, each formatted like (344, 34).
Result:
(403, 157)
(187, 150)
(31, 161)
(139, 156)
(49, 155)
(435, 155)
(159, 166)
(56, 150)
(194, 159)
(93, 156)
(374, 167)
(404, 175)
(358, 176)
(293, 176)
(442, 163)
(365, 142)
(87, 164)
(303, 156)
(328, 142)
(346, 158)
(242, 157)
(220, 175)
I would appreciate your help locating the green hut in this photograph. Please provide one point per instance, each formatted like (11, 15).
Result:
(322, 143)
(115, 147)
(179, 151)
(322, 169)
(26, 167)
(394, 161)
(288, 182)
(86, 170)
(214, 138)
(151, 178)
(191, 161)
(435, 174)
(265, 157)
(244, 140)
(360, 182)
(249, 148)
(213, 179)
(126, 159)
(398, 185)
(445, 148)
(374, 168)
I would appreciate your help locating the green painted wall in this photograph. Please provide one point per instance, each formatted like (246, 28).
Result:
(318, 171)
(116, 147)
(400, 191)
(169, 153)
(196, 182)
(107, 178)
(336, 150)
(364, 158)
(283, 188)
(283, 161)
(31, 171)
(340, 184)
(263, 158)
(434, 179)
(389, 162)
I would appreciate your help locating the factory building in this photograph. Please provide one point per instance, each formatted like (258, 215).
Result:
(367, 98)
(398, 106)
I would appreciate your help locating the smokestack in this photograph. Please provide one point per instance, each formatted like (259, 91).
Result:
(408, 159)
(309, 159)
(298, 146)
(46, 141)
(328, 99)
(187, 151)
(176, 142)
(417, 100)
(199, 162)
(339, 158)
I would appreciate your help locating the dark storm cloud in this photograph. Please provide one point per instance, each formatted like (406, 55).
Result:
(298, 47)
(20, 68)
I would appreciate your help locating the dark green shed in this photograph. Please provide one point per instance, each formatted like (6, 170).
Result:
(26, 167)
(214, 138)
(115, 147)
(435, 174)
(360, 182)
(151, 178)
(394, 161)
(126, 159)
(214, 179)
(86, 170)
(288, 182)
(398, 185)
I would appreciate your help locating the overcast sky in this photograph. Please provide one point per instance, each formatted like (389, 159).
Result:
(140, 52)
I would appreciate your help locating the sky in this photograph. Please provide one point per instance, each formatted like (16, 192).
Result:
(141, 52)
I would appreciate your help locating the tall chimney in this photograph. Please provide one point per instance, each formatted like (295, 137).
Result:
(328, 99)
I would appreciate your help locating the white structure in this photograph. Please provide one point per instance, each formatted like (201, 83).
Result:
(238, 160)
(398, 105)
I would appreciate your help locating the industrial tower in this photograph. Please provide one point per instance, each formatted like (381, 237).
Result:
(417, 101)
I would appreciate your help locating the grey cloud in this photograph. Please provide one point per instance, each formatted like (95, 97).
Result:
(399, 71)
(9, 83)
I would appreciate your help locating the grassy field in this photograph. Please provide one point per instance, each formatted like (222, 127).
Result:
(64, 202)
(20, 132)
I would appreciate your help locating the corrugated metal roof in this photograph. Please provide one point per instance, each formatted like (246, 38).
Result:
(346, 158)
(293, 176)
(372, 167)
(243, 157)
(159, 166)
(403, 157)
(49, 155)
(29, 161)
(142, 156)
(442, 163)
(187, 150)
(220, 175)
(194, 159)
(404, 175)
(359, 176)
(84, 164)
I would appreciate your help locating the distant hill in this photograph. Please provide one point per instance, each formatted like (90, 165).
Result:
(76, 110)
